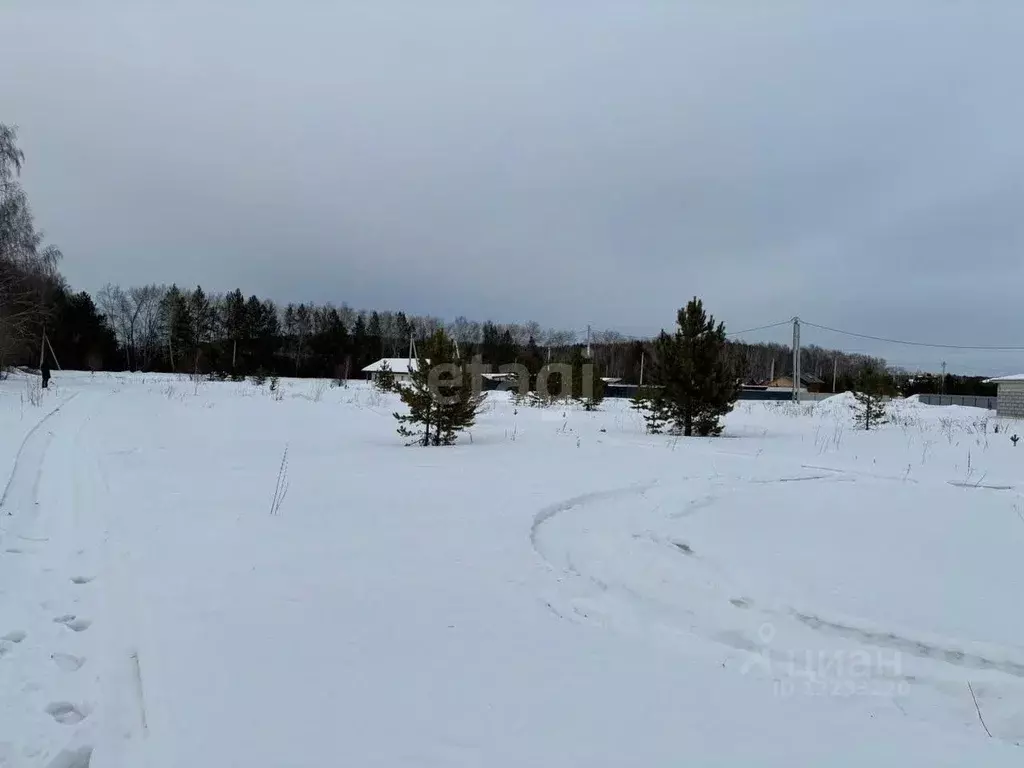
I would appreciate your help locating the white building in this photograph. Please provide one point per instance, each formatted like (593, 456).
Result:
(402, 367)
(1009, 395)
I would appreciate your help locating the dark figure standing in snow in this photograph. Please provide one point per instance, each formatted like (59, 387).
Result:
(45, 370)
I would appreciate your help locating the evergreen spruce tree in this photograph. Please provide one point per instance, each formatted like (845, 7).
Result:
(440, 396)
(178, 329)
(534, 361)
(375, 334)
(698, 386)
(402, 332)
(233, 323)
(653, 409)
(362, 347)
(873, 386)
(385, 379)
(587, 385)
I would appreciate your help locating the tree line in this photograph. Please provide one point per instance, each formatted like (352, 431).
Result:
(189, 330)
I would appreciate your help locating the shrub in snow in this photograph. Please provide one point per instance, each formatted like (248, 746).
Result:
(33, 391)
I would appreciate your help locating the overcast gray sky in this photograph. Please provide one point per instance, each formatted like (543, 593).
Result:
(858, 164)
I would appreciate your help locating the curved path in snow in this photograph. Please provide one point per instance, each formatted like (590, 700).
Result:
(625, 560)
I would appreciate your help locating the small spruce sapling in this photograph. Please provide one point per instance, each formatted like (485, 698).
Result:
(587, 384)
(655, 412)
(873, 386)
(442, 398)
(385, 379)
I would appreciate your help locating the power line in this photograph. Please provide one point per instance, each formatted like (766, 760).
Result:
(760, 328)
(914, 343)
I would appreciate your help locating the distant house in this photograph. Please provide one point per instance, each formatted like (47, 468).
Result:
(502, 380)
(808, 382)
(401, 367)
(1009, 395)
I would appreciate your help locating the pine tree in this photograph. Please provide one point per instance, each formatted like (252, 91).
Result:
(506, 350)
(303, 330)
(233, 323)
(587, 385)
(402, 333)
(178, 328)
(361, 345)
(490, 344)
(203, 321)
(440, 395)
(385, 379)
(873, 386)
(375, 334)
(534, 361)
(655, 411)
(698, 386)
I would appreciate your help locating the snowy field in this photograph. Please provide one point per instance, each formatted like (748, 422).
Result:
(559, 590)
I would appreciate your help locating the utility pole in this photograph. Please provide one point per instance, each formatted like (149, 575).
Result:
(942, 382)
(52, 353)
(796, 359)
(643, 355)
(835, 371)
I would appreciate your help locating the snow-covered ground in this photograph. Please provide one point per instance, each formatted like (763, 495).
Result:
(560, 590)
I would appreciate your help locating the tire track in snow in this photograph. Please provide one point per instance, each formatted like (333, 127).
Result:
(27, 448)
(952, 652)
(552, 510)
(947, 652)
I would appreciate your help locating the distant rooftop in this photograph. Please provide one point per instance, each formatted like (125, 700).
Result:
(1011, 377)
(396, 364)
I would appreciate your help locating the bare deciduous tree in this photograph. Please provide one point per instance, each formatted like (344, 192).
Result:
(28, 270)
(134, 316)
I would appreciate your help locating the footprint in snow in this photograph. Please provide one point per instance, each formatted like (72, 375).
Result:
(74, 623)
(77, 758)
(81, 579)
(8, 641)
(66, 713)
(67, 662)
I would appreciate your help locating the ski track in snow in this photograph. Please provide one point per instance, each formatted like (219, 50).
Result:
(51, 530)
(31, 452)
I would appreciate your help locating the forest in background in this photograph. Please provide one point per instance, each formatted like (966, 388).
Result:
(170, 329)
